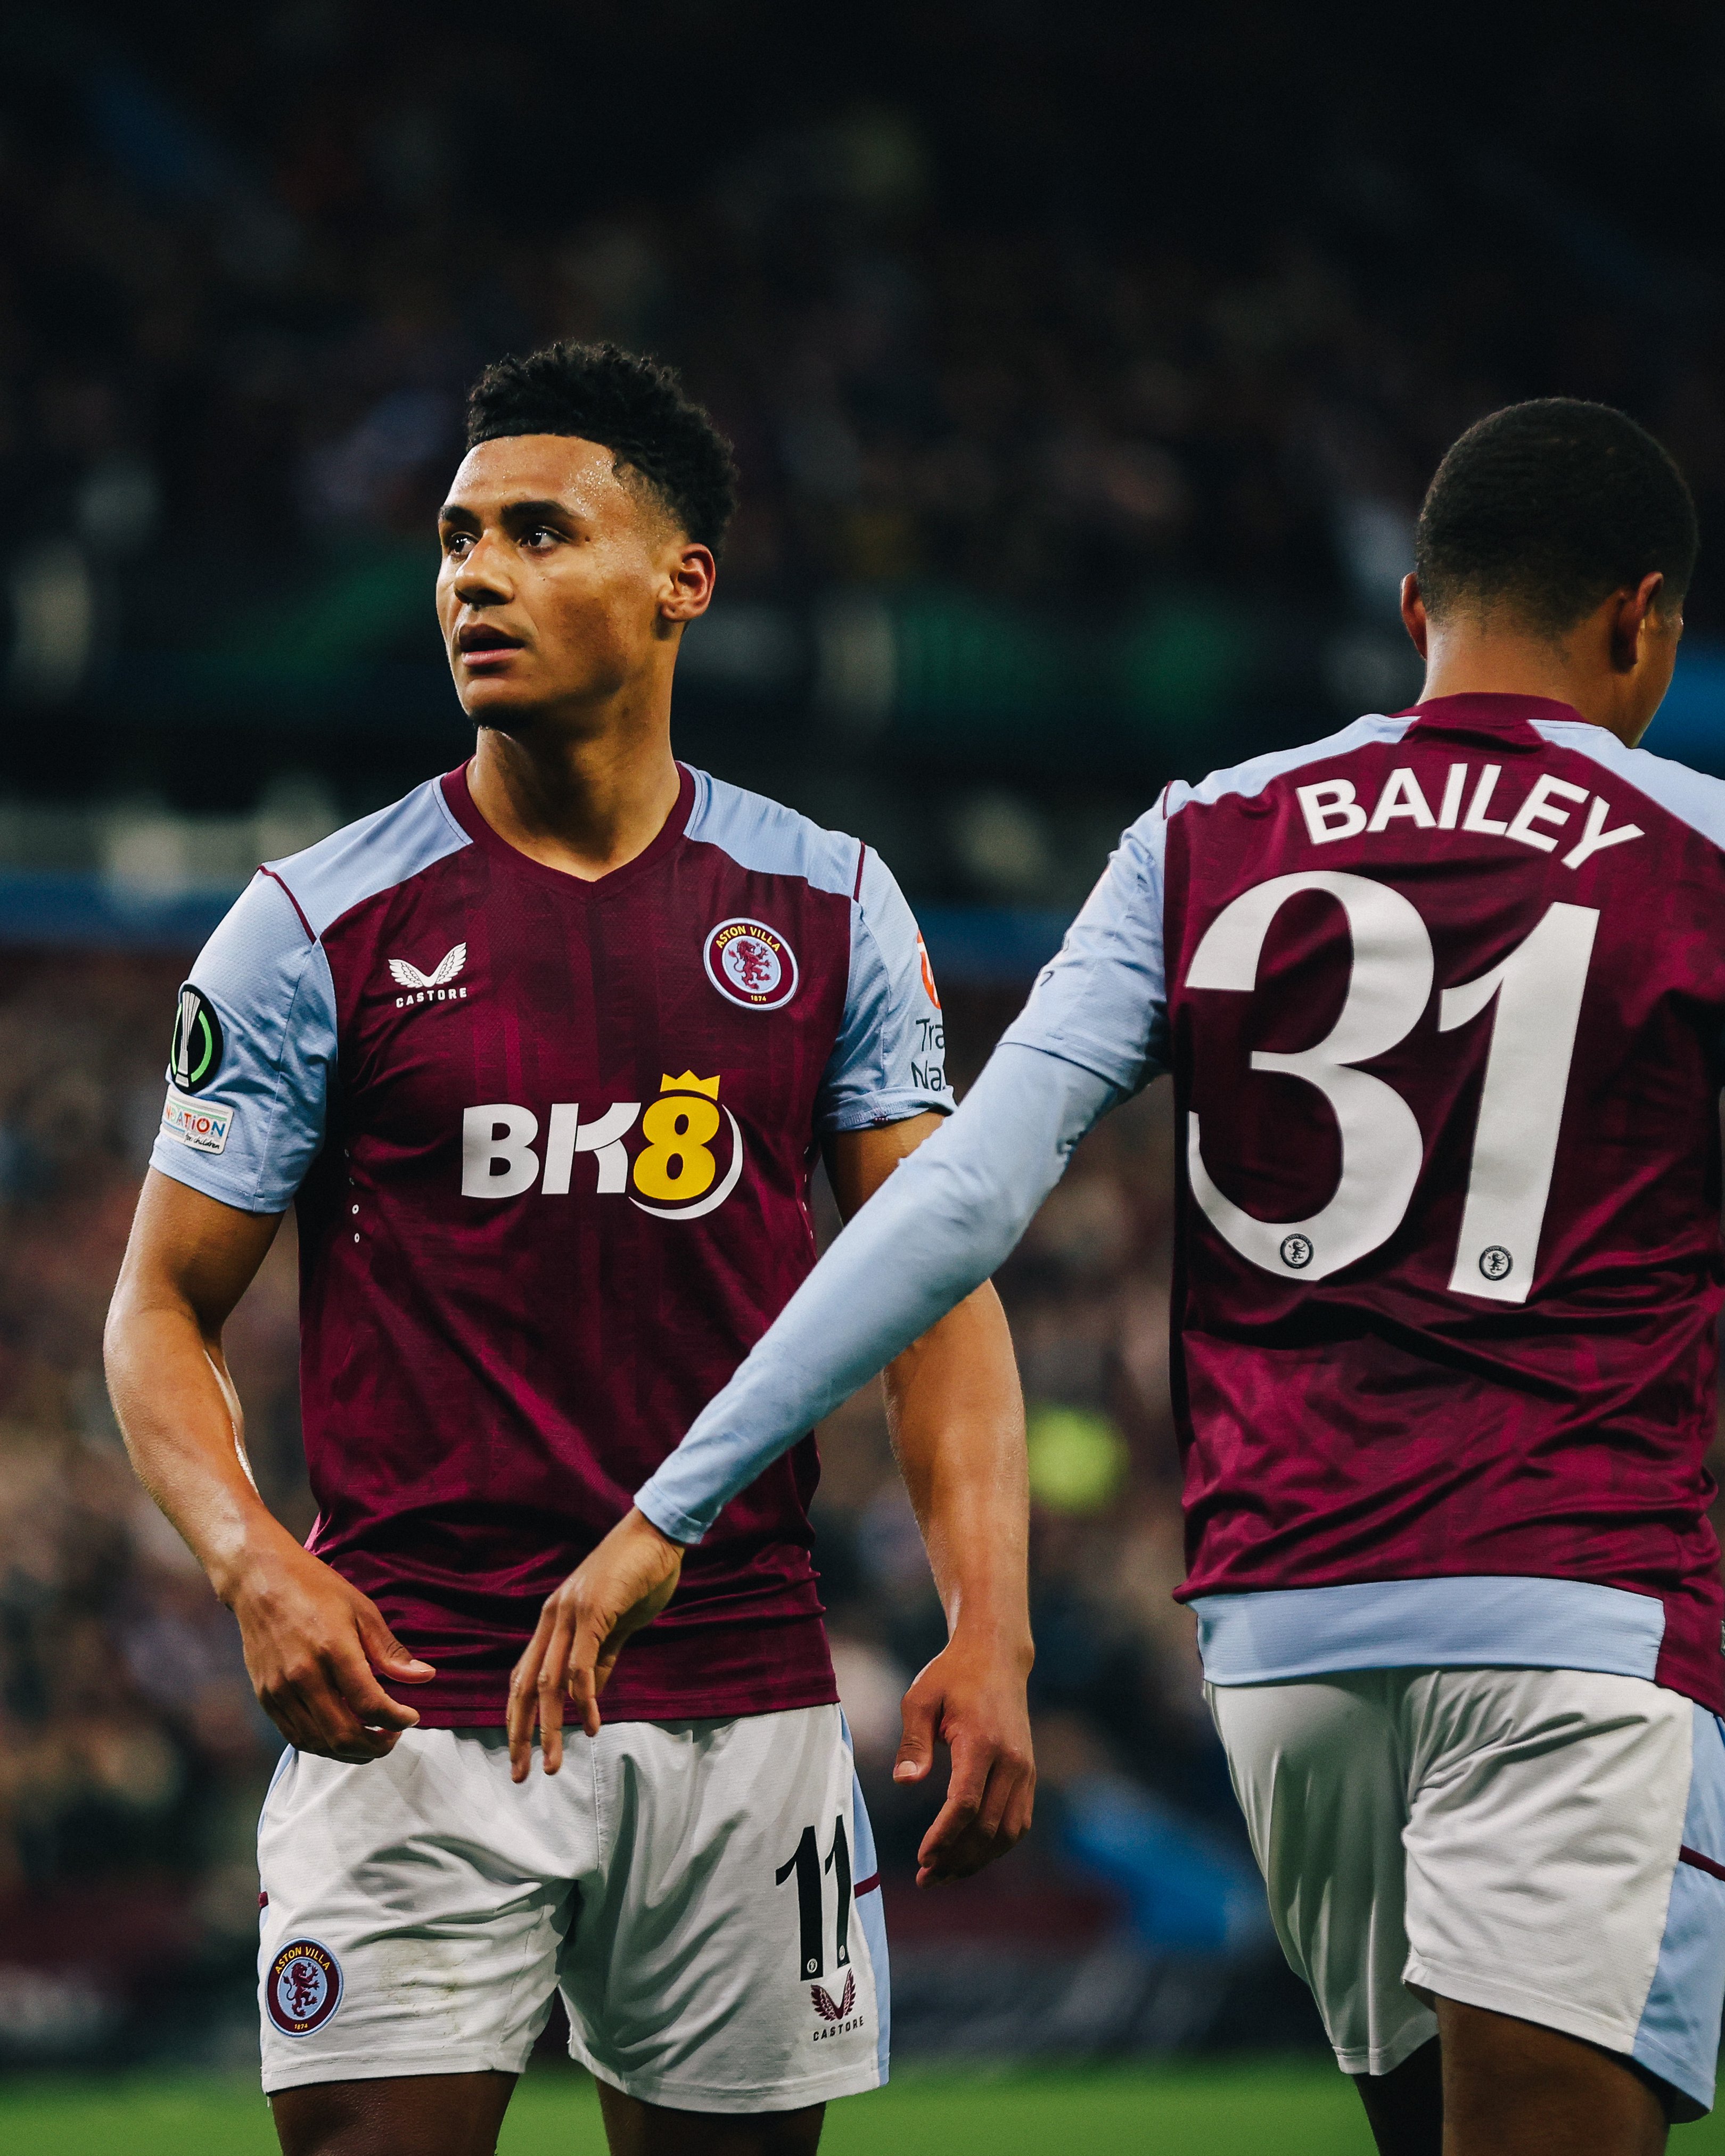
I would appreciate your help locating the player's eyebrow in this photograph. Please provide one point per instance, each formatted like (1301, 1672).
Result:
(513, 515)
(517, 513)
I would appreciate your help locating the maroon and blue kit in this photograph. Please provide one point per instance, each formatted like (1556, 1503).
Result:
(1444, 998)
(550, 1144)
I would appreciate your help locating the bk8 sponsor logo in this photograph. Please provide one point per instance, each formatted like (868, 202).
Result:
(689, 1163)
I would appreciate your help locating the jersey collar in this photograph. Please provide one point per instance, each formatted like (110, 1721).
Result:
(670, 834)
(1492, 713)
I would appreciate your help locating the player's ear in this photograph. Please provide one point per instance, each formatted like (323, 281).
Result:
(1414, 612)
(1635, 621)
(691, 574)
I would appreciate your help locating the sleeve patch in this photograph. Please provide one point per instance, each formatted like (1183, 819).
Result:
(203, 1125)
(929, 988)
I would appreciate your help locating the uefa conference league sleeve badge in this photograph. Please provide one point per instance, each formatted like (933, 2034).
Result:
(194, 1057)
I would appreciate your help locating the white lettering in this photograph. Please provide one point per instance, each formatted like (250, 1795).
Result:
(1476, 818)
(1330, 810)
(497, 1156)
(566, 1135)
(560, 1130)
(1450, 807)
(1401, 797)
(1595, 837)
(1537, 808)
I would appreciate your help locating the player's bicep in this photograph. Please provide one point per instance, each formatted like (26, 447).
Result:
(859, 1162)
(189, 1251)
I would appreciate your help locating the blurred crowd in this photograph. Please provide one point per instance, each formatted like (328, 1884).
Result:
(254, 264)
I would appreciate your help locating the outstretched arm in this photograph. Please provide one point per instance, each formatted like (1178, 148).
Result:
(312, 1642)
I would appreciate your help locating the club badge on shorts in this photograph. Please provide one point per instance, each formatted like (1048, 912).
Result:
(751, 964)
(303, 1988)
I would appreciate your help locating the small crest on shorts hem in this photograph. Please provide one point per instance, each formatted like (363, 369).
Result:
(303, 1988)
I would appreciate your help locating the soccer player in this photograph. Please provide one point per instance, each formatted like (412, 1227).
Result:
(1444, 1000)
(544, 1055)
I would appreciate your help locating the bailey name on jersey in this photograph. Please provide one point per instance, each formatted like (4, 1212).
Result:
(1332, 810)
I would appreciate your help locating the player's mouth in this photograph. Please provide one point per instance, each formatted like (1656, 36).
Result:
(484, 649)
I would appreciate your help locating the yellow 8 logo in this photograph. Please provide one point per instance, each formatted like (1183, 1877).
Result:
(676, 1162)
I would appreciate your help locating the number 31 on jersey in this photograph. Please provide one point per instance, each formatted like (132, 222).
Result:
(1535, 992)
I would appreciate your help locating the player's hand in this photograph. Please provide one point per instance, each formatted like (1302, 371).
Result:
(315, 1648)
(972, 1695)
(623, 1585)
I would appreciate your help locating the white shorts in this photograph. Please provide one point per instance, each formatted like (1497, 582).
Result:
(704, 1894)
(1545, 1843)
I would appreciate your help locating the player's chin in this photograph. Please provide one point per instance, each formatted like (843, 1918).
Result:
(509, 685)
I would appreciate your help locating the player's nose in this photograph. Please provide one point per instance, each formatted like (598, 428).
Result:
(481, 574)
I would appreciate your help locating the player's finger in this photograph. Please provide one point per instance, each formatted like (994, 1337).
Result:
(1003, 1779)
(593, 1656)
(921, 1712)
(1023, 1807)
(331, 1729)
(607, 1662)
(524, 1699)
(548, 1692)
(308, 1708)
(386, 1651)
(956, 1815)
(352, 1682)
(362, 1721)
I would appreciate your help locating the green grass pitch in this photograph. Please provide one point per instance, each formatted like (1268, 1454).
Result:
(1250, 2109)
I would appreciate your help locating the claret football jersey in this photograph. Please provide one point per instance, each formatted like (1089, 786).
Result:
(550, 1144)
(1444, 999)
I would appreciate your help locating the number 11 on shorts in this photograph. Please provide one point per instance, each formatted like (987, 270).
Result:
(806, 1864)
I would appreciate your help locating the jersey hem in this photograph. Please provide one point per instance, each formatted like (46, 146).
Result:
(737, 1704)
(1455, 1621)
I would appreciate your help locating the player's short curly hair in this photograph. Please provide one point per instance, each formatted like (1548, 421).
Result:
(1547, 508)
(629, 404)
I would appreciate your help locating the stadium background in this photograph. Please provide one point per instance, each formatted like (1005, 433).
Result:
(1084, 367)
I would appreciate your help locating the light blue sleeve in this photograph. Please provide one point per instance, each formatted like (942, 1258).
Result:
(1102, 1001)
(245, 1128)
(934, 1229)
(891, 1058)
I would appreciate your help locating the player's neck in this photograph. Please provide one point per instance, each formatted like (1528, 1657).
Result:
(586, 805)
(1477, 659)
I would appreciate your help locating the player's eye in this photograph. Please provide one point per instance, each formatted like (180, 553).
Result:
(541, 535)
(457, 543)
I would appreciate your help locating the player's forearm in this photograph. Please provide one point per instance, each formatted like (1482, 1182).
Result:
(180, 1419)
(957, 1421)
(939, 1227)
